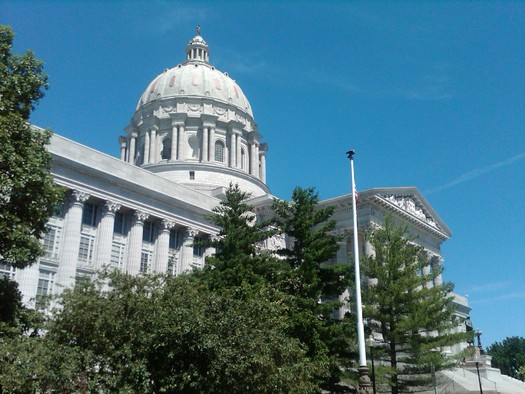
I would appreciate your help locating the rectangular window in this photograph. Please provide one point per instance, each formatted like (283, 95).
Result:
(192, 175)
(51, 242)
(117, 255)
(120, 226)
(7, 271)
(46, 282)
(85, 251)
(174, 239)
(145, 261)
(198, 250)
(89, 214)
(147, 232)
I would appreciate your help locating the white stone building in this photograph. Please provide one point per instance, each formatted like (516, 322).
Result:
(192, 134)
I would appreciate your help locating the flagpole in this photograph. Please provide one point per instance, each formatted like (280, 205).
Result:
(364, 380)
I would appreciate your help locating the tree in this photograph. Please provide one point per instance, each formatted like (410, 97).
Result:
(509, 356)
(312, 277)
(414, 317)
(27, 194)
(171, 334)
(238, 257)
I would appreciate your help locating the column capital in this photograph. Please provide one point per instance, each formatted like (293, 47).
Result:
(140, 216)
(167, 224)
(78, 196)
(178, 119)
(111, 206)
(192, 232)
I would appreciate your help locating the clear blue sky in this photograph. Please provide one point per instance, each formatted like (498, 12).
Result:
(430, 94)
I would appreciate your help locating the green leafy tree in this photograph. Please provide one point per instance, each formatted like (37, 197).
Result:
(171, 334)
(312, 278)
(27, 194)
(238, 258)
(509, 356)
(414, 317)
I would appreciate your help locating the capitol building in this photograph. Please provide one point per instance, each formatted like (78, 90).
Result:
(193, 133)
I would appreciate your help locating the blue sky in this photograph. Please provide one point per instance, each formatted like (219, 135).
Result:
(429, 94)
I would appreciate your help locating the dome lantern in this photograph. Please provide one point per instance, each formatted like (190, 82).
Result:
(197, 49)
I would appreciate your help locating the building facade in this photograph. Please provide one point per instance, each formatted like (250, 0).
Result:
(192, 134)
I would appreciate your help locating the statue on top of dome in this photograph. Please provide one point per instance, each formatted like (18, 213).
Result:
(198, 30)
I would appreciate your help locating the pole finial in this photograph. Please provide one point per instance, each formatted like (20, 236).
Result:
(350, 154)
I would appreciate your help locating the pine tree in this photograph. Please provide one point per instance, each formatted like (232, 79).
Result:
(314, 281)
(414, 316)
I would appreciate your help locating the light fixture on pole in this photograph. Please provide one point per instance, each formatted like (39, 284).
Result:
(364, 378)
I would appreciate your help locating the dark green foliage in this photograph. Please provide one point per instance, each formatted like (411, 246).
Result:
(27, 194)
(413, 316)
(170, 334)
(311, 278)
(238, 258)
(509, 356)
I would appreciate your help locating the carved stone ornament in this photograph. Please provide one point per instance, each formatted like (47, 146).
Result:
(194, 108)
(192, 232)
(78, 196)
(169, 109)
(240, 119)
(276, 242)
(111, 206)
(140, 216)
(167, 224)
(407, 204)
(219, 111)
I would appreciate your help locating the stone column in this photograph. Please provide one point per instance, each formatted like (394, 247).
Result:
(205, 143)
(146, 148)
(182, 143)
(104, 240)
(263, 166)
(27, 279)
(257, 172)
(212, 144)
(153, 146)
(438, 281)
(186, 249)
(132, 144)
(135, 242)
(239, 149)
(162, 247)
(233, 150)
(426, 272)
(252, 159)
(174, 137)
(67, 266)
(123, 146)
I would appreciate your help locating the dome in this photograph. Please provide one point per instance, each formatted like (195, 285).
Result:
(196, 78)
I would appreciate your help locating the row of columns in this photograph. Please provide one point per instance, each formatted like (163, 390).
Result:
(233, 155)
(70, 243)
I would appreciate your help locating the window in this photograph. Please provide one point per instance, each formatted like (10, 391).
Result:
(89, 214)
(174, 239)
(166, 149)
(46, 281)
(51, 242)
(192, 175)
(145, 261)
(7, 271)
(85, 251)
(117, 255)
(120, 226)
(147, 232)
(219, 151)
(198, 250)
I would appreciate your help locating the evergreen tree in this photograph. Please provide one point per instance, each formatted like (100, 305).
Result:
(238, 258)
(414, 316)
(27, 193)
(315, 282)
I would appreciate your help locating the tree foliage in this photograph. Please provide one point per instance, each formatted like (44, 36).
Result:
(509, 356)
(311, 278)
(27, 194)
(401, 302)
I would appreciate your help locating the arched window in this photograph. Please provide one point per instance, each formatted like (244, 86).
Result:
(166, 149)
(243, 159)
(219, 151)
